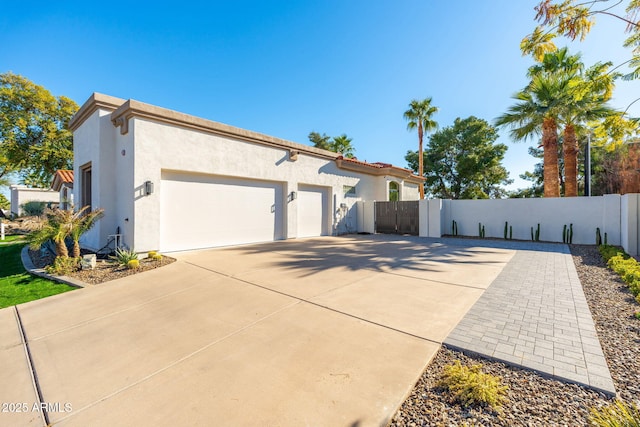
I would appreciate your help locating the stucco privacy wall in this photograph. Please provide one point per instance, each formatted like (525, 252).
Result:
(616, 215)
(128, 144)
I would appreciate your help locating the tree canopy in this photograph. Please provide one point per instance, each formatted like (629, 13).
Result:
(337, 144)
(35, 140)
(463, 161)
(573, 19)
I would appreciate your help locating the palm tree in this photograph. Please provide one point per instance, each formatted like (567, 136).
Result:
(419, 116)
(591, 91)
(58, 224)
(81, 223)
(342, 144)
(537, 113)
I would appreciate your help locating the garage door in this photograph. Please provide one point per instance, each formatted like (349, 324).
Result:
(313, 211)
(203, 211)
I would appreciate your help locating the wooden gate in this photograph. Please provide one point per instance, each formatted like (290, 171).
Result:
(397, 217)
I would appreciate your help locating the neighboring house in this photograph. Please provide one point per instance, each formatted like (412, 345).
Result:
(63, 183)
(170, 181)
(21, 194)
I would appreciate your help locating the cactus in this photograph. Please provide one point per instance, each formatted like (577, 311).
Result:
(454, 228)
(571, 233)
(133, 264)
(605, 239)
(564, 234)
(506, 228)
(532, 239)
(483, 231)
(510, 232)
(479, 229)
(598, 237)
(538, 233)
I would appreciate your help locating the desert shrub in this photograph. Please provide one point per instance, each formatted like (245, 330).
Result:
(469, 385)
(33, 208)
(609, 252)
(133, 264)
(123, 256)
(619, 414)
(63, 265)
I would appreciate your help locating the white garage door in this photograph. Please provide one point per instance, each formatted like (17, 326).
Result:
(203, 211)
(313, 211)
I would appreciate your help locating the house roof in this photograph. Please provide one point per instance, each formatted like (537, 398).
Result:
(122, 110)
(60, 178)
(377, 168)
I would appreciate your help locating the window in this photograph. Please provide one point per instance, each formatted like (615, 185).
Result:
(85, 185)
(394, 191)
(349, 191)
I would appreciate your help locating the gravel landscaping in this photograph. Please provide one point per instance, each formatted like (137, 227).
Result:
(532, 399)
(104, 270)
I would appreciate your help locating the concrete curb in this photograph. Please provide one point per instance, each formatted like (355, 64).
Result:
(31, 269)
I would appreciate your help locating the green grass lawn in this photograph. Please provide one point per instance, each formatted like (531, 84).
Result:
(12, 238)
(18, 286)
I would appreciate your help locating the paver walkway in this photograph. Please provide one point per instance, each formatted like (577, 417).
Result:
(535, 315)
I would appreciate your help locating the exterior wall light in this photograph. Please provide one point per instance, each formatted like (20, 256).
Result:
(293, 155)
(148, 188)
(292, 196)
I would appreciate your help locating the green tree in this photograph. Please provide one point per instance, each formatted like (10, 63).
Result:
(4, 202)
(573, 19)
(463, 161)
(338, 144)
(419, 117)
(320, 141)
(35, 140)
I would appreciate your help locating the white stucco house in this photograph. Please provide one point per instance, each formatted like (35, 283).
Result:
(170, 181)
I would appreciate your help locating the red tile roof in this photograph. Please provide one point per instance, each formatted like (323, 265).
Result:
(60, 178)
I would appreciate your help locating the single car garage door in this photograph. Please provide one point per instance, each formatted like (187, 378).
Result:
(203, 211)
(313, 211)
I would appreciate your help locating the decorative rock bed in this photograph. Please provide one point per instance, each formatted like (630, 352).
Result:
(532, 399)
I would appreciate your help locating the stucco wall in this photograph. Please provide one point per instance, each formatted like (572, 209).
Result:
(165, 147)
(22, 194)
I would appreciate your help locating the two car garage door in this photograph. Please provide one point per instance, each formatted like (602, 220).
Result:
(202, 211)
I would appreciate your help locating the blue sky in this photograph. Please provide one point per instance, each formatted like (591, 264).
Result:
(290, 67)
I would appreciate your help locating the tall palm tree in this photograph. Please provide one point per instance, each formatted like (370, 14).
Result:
(419, 116)
(537, 112)
(590, 92)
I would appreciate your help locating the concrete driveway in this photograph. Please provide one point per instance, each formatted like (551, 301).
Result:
(323, 332)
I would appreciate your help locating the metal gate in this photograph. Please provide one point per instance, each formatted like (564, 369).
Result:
(397, 217)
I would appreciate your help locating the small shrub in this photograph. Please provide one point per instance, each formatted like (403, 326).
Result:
(619, 414)
(62, 266)
(609, 252)
(469, 385)
(33, 208)
(133, 264)
(123, 256)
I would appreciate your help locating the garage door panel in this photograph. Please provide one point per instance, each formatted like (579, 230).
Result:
(200, 211)
(313, 211)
